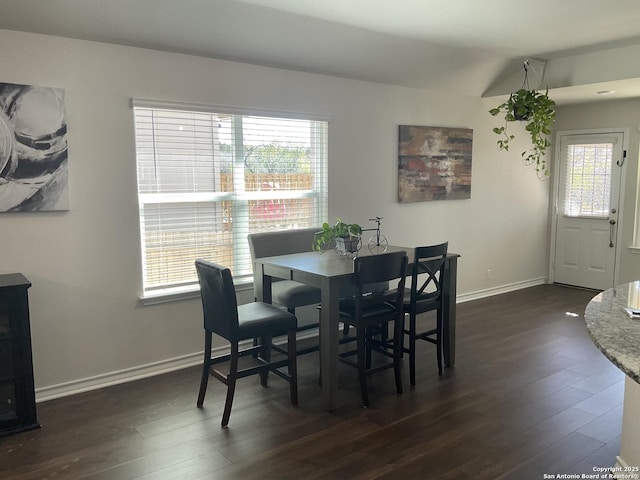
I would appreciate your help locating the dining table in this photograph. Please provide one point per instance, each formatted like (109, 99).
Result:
(333, 274)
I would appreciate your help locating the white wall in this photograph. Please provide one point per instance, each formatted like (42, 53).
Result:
(614, 114)
(87, 323)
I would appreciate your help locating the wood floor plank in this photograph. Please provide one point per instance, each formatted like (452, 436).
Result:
(555, 459)
(606, 427)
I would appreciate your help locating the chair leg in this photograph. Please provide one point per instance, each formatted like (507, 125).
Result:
(204, 379)
(412, 348)
(231, 384)
(368, 337)
(439, 340)
(293, 367)
(345, 329)
(404, 319)
(265, 353)
(320, 371)
(362, 369)
(397, 351)
(384, 333)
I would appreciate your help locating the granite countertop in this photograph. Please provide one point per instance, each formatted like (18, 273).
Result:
(613, 331)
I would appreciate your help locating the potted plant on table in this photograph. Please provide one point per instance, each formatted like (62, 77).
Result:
(345, 235)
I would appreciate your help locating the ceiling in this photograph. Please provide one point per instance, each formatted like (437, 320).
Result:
(466, 46)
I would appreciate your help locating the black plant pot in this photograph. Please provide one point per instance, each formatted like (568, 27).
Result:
(520, 115)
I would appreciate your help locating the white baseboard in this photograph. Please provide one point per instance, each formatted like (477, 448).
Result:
(489, 292)
(172, 364)
(114, 378)
(135, 373)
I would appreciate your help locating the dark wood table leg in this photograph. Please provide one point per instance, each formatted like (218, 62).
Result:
(449, 323)
(329, 342)
(262, 286)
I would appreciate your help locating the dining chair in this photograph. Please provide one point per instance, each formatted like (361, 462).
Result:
(233, 322)
(425, 295)
(369, 312)
(286, 292)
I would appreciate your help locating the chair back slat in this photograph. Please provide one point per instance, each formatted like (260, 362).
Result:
(219, 303)
(426, 295)
(428, 271)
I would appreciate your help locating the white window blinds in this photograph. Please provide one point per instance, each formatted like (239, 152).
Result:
(587, 179)
(206, 180)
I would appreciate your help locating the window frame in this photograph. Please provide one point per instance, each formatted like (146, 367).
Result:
(571, 172)
(319, 191)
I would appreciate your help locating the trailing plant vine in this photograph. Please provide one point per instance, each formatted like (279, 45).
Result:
(538, 110)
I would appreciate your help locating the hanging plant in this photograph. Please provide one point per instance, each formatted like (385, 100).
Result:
(538, 110)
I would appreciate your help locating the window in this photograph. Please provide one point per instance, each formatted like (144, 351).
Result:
(588, 179)
(207, 179)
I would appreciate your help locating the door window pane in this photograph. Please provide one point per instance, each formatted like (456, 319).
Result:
(588, 180)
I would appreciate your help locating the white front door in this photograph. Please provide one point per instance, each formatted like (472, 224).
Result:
(587, 209)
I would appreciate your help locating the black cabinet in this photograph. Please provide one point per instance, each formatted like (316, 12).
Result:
(17, 394)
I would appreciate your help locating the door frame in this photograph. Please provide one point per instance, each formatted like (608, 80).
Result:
(555, 191)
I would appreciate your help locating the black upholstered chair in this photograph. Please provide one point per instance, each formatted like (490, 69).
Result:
(425, 295)
(224, 317)
(286, 292)
(371, 312)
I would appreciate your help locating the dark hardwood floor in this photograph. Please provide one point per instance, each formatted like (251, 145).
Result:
(530, 394)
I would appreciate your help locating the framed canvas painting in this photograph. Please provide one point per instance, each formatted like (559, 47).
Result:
(434, 163)
(33, 149)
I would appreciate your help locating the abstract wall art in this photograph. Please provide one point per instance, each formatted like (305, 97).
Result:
(33, 149)
(434, 163)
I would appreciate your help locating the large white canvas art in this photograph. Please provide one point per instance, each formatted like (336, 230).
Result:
(33, 149)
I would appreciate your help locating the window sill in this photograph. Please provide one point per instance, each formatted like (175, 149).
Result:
(184, 293)
(634, 249)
